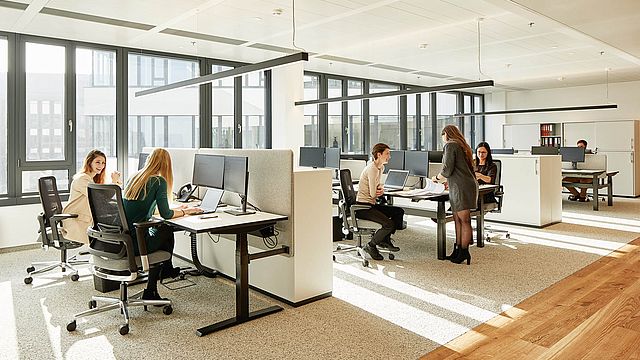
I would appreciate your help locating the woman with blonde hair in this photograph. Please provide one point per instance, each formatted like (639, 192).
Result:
(149, 187)
(457, 168)
(92, 172)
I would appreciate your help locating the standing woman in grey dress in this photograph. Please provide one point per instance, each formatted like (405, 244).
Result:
(457, 168)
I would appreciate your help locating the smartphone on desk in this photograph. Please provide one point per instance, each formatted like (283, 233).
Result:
(207, 216)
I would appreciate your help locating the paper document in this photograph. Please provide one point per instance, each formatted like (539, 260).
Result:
(430, 188)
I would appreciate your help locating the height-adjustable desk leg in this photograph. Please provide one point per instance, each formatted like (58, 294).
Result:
(595, 193)
(609, 190)
(480, 223)
(203, 270)
(441, 231)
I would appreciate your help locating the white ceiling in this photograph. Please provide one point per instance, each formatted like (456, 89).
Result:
(524, 44)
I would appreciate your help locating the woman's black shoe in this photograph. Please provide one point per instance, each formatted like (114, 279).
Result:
(169, 272)
(454, 253)
(463, 254)
(152, 295)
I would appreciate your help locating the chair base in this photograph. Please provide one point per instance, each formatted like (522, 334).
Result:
(123, 303)
(488, 231)
(51, 265)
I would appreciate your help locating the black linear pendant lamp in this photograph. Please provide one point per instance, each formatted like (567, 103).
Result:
(539, 110)
(264, 65)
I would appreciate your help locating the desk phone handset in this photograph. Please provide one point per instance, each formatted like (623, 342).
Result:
(185, 193)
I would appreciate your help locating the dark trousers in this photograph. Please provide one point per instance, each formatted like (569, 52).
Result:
(389, 217)
(159, 238)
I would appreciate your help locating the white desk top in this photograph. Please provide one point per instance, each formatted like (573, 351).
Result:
(196, 223)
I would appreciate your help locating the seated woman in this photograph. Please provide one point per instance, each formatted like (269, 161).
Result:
(92, 172)
(485, 169)
(147, 188)
(369, 190)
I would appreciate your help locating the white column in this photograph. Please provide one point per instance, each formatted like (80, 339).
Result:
(493, 123)
(287, 87)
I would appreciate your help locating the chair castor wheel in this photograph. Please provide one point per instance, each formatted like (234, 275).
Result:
(75, 277)
(30, 269)
(334, 258)
(28, 280)
(124, 329)
(167, 310)
(391, 256)
(508, 236)
(71, 326)
(365, 263)
(92, 304)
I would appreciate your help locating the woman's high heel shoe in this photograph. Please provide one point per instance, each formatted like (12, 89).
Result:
(454, 253)
(463, 254)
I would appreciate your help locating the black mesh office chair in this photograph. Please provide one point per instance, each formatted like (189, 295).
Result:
(50, 233)
(113, 257)
(496, 207)
(347, 208)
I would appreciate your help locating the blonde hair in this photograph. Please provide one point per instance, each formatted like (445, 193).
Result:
(454, 135)
(158, 163)
(86, 168)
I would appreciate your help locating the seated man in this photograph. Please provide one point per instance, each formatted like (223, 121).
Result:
(575, 195)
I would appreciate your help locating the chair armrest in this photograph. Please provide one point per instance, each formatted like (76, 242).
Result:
(59, 217)
(142, 245)
(55, 220)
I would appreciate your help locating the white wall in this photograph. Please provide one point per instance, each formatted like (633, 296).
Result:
(493, 124)
(19, 225)
(287, 87)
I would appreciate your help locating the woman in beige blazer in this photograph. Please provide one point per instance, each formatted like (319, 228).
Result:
(92, 172)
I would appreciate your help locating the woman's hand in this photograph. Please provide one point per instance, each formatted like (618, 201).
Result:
(192, 210)
(115, 178)
(379, 191)
(478, 176)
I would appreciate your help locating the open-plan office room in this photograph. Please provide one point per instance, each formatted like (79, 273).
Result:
(268, 112)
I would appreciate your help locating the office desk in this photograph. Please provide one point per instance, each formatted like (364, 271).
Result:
(595, 175)
(441, 215)
(240, 226)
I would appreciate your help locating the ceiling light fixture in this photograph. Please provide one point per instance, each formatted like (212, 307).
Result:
(264, 65)
(414, 90)
(423, 46)
(539, 110)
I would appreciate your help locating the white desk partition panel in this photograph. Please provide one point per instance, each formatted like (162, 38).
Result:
(532, 190)
(273, 187)
(355, 166)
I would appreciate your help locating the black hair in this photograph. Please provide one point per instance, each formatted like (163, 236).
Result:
(583, 141)
(485, 145)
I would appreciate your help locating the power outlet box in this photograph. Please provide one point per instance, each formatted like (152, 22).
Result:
(266, 231)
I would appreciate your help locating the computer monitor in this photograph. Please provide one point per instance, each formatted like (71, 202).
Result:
(236, 179)
(435, 156)
(416, 162)
(312, 157)
(142, 159)
(396, 162)
(332, 158)
(509, 151)
(573, 155)
(544, 150)
(208, 170)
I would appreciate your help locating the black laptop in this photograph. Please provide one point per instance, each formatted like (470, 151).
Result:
(395, 180)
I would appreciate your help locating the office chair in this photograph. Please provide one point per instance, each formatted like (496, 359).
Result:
(347, 208)
(113, 257)
(495, 207)
(50, 233)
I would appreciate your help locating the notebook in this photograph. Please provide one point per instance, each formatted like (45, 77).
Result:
(211, 200)
(395, 180)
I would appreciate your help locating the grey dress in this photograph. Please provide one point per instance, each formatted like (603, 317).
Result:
(463, 187)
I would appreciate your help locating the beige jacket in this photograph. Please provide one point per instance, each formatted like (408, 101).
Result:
(76, 228)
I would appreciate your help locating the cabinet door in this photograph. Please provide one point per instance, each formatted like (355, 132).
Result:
(623, 183)
(576, 131)
(614, 136)
(521, 137)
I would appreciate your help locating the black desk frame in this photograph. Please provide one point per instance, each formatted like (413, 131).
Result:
(595, 184)
(242, 271)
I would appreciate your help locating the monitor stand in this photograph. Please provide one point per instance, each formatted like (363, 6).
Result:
(574, 165)
(242, 210)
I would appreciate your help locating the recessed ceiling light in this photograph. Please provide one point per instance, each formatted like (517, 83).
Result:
(277, 12)
(554, 46)
(561, 78)
(423, 46)
(257, 18)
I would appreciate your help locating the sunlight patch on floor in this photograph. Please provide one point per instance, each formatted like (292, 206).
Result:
(408, 317)
(440, 300)
(601, 247)
(8, 332)
(599, 223)
(54, 331)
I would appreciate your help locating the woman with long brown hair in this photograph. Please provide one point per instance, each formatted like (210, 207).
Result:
(92, 172)
(457, 168)
(149, 187)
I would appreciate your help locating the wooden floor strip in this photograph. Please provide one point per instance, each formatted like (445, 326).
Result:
(592, 314)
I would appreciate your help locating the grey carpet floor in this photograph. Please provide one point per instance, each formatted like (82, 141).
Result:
(397, 309)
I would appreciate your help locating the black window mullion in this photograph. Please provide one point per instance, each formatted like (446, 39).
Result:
(12, 124)
(323, 113)
(70, 120)
(434, 121)
(418, 121)
(206, 106)
(344, 117)
(122, 109)
(268, 126)
(402, 103)
(237, 112)
(366, 136)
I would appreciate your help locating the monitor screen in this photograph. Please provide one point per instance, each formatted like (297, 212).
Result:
(416, 162)
(142, 159)
(312, 156)
(396, 162)
(544, 150)
(572, 154)
(509, 151)
(332, 158)
(208, 170)
(235, 174)
(435, 156)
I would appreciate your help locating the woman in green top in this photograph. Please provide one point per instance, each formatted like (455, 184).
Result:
(147, 189)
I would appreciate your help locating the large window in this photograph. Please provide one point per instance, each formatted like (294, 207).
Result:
(412, 133)
(384, 117)
(222, 109)
(4, 55)
(354, 118)
(253, 111)
(335, 114)
(311, 92)
(96, 105)
(446, 107)
(166, 119)
(426, 124)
